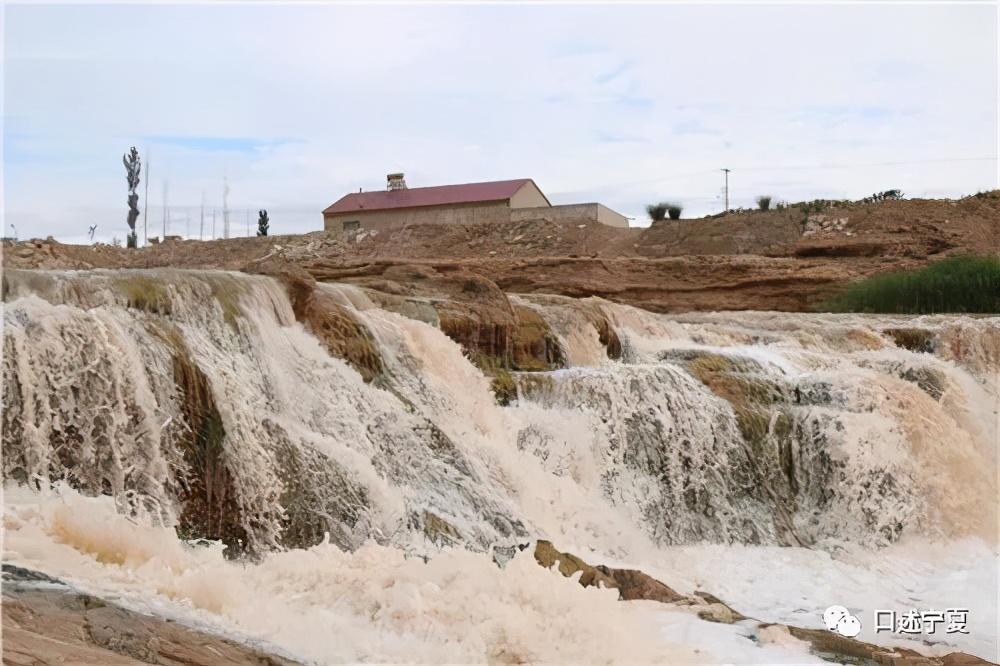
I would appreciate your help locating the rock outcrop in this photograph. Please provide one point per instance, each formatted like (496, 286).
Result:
(828, 645)
(468, 307)
(59, 625)
(333, 324)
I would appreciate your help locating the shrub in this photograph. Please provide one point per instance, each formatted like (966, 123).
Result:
(764, 202)
(657, 211)
(888, 195)
(965, 283)
(818, 205)
(674, 210)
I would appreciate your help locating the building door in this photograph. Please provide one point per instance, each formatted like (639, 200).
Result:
(352, 225)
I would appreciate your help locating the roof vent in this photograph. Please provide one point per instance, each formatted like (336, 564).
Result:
(395, 181)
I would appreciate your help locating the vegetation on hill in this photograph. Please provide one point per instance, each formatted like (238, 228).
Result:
(659, 211)
(965, 283)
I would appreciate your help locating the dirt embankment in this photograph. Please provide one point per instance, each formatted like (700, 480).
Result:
(791, 259)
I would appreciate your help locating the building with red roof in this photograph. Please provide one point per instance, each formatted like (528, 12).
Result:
(468, 203)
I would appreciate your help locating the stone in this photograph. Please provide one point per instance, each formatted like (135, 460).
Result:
(828, 645)
(63, 626)
(569, 565)
(634, 584)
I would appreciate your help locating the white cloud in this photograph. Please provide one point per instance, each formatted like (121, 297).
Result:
(625, 104)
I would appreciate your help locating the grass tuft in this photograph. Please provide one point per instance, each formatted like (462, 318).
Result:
(964, 283)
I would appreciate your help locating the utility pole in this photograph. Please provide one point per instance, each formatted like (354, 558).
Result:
(201, 229)
(726, 172)
(213, 224)
(165, 209)
(248, 223)
(145, 206)
(225, 207)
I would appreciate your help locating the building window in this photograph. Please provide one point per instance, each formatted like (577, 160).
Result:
(352, 225)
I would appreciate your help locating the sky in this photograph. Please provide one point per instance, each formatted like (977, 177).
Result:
(296, 105)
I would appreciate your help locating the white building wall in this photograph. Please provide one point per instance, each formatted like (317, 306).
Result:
(593, 212)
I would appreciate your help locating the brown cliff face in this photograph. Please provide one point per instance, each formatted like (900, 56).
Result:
(792, 259)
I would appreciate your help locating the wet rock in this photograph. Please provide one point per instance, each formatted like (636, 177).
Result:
(929, 380)
(15, 574)
(206, 493)
(535, 346)
(146, 294)
(66, 627)
(713, 609)
(607, 334)
(915, 339)
(768, 428)
(569, 565)
(720, 613)
(343, 335)
(828, 645)
(439, 530)
(320, 497)
(333, 324)
(504, 387)
(468, 307)
(631, 584)
(831, 646)
(634, 584)
(413, 308)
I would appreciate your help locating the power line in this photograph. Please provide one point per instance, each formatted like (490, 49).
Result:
(800, 167)
(145, 207)
(804, 167)
(660, 179)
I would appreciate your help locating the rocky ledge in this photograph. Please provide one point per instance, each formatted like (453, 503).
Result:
(47, 622)
(827, 645)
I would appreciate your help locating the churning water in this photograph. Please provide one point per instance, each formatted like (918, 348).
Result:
(195, 404)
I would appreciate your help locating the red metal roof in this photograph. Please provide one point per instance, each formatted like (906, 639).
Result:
(497, 190)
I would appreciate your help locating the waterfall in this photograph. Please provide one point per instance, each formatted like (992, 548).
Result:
(361, 465)
(201, 396)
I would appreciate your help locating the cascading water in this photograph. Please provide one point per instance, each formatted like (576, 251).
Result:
(199, 399)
